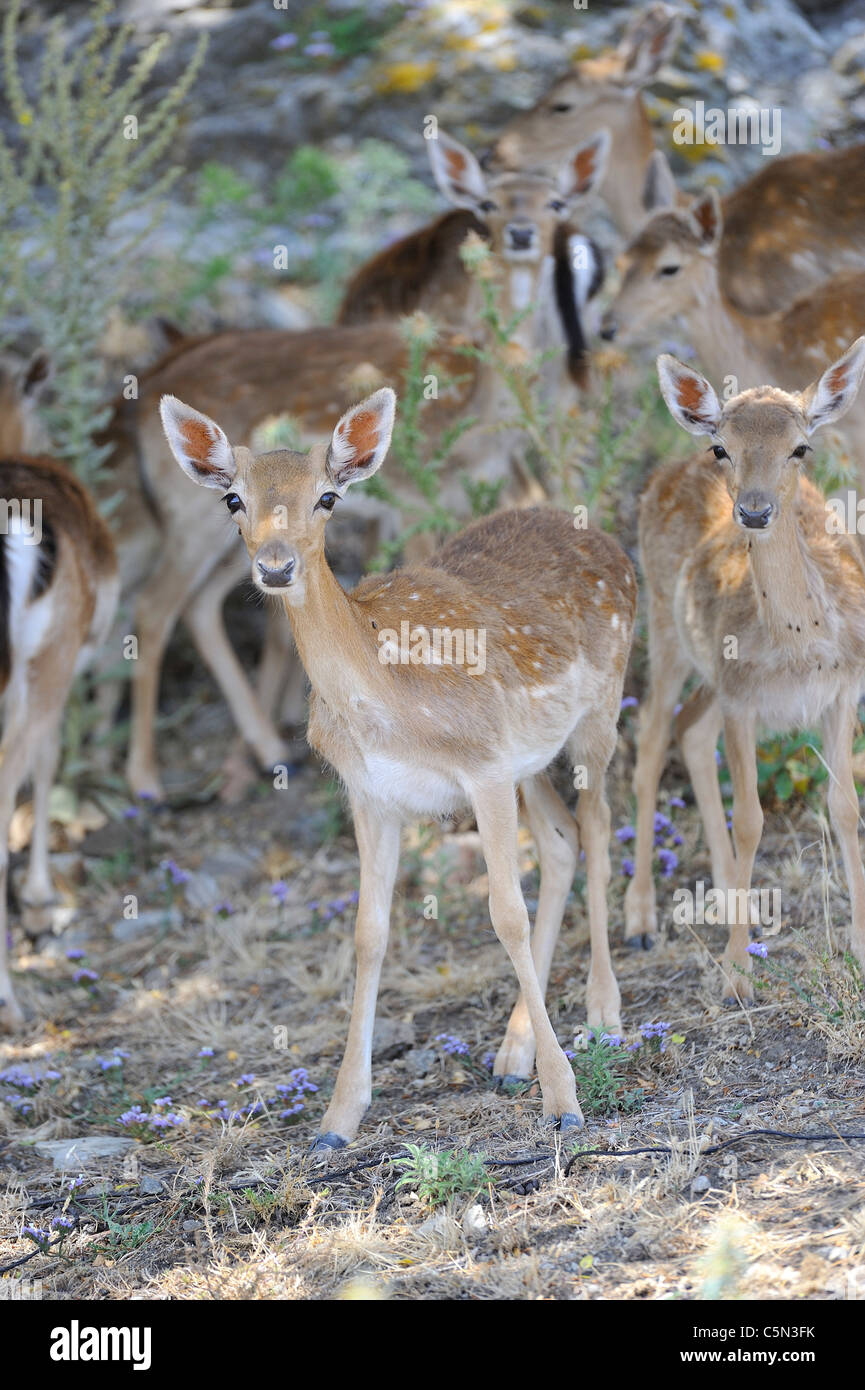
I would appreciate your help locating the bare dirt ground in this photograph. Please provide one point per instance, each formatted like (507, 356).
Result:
(216, 1198)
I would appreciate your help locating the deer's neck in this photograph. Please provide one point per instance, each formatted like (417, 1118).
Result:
(631, 151)
(338, 655)
(519, 296)
(788, 588)
(726, 338)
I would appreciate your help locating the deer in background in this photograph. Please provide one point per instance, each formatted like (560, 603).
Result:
(58, 590)
(251, 375)
(556, 607)
(747, 588)
(670, 273)
(423, 269)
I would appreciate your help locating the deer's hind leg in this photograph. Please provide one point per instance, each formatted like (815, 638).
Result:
(591, 747)
(495, 808)
(555, 834)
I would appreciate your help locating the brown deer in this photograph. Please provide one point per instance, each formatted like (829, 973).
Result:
(749, 588)
(415, 732)
(423, 270)
(249, 376)
(670, 274)
(58, 589)
(794, 225)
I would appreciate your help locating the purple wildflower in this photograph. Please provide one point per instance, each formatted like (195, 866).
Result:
(175, 873)
(75, 954)
(625, 832)
(85, 977)
(668, 861)
(677, 802)
(758, 948)
(628, 868)
(283, 41)
(205, 1052)
(629, 702)
(453, 1045)
(279, 890)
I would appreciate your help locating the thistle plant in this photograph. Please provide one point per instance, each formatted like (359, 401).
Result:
(83, 166)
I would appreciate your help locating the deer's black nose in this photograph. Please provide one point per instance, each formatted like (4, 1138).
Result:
(521, 238)
(276, 577)
(609, 328)
(757, 519)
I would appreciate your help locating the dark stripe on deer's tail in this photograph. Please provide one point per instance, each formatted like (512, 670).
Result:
(566, 303)
(43, 575)
(5, 644)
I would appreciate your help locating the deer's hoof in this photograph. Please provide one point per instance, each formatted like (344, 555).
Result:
(326, 1143)
(569, 1120)
(643, 941)
(510, 1080)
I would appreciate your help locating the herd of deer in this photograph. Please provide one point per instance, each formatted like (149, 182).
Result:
(770, 284)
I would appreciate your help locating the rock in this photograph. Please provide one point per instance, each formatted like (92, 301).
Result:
(70, 1155)
(420, 1061)
(202, 890)
(231, 864)
(474, 1221)
(128, 929)
(150, 1185)
(700, 1185)
(391, 1038)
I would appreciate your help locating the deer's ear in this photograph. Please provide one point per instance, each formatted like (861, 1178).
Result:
(648, 42)
(584, 171)
(690, 399)
(198, 444)
(832, 395)
(659, 190)
(706, 220)
(361, 440)
(457, 172)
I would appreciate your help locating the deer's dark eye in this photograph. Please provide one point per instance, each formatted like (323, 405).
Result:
(233, 503)
(327, 501)
(487, 205)
(557, 205)
(561, 107)
(799, 452)
(720, 452)
(669, 270)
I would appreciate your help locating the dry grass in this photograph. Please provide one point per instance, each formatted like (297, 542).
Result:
(236, 1209)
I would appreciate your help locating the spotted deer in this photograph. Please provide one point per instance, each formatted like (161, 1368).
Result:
(554, 607)
(252, 375)
(748, 588)
(58, 589)
(670, 275)
(423, 270)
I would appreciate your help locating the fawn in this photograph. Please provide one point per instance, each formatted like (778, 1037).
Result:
(414, 738)
(423, 269)
(251, 375)
(58, 590)
(670, 271)
(747, 587)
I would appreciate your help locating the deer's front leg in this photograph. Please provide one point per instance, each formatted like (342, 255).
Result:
(838, 726)
(740, 743)
(495, 808)
(378, 844)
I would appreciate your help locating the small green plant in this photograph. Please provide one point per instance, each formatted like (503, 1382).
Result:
(439, 1175)
(600, 1082)
(420, 466)
(84, 163)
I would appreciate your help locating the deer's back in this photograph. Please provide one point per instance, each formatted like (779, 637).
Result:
(795, 223)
